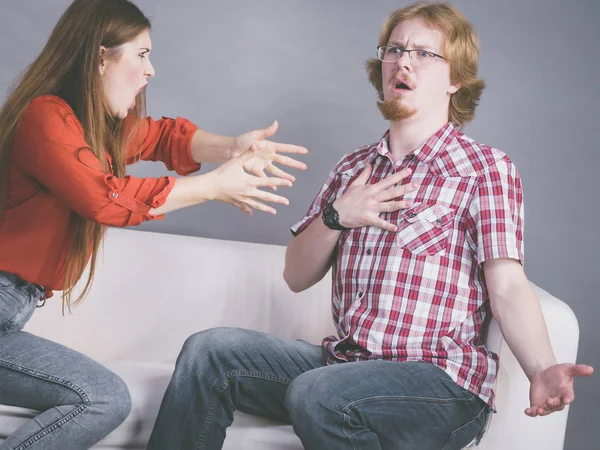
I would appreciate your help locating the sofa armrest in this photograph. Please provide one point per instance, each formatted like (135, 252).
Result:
(510, 427)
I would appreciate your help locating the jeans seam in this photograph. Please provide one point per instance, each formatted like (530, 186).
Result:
(49, 429)
(402, 398)
(483, 409)
(350, 436)
(224, 385)
(40, 375)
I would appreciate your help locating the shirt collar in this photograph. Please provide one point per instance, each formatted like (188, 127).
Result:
(425, 153)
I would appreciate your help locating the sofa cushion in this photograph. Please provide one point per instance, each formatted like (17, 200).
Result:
(147, 383)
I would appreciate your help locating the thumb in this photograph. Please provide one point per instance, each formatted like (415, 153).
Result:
(580, 370)
(247, 155)
(269, 131)
(364, 175)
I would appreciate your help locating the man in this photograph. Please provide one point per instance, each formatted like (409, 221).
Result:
(423, 232)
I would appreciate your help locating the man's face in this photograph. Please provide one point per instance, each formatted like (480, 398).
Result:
(421, 89)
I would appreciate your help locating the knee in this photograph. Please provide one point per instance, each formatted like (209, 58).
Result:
(209, 348)
(112, 399)
(308, 397)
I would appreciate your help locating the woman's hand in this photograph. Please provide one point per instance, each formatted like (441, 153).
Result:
(268, 153)
(230, 183)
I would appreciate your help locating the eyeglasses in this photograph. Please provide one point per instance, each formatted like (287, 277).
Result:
(418, 57)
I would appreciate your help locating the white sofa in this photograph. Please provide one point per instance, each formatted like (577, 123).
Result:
(154, 290)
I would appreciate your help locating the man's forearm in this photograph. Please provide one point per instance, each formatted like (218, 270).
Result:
(211, 148)
(308, 256)
(518, 313)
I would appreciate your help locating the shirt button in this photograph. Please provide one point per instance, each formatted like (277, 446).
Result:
(411, 215)
(439, 221)
(369, 251)
(115, 195)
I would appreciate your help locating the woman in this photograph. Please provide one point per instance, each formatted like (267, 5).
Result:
(67, 131)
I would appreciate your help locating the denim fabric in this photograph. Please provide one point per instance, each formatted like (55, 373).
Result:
(80, 401)
(359, 405)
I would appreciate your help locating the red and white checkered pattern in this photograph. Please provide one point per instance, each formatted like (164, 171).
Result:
(419, 294)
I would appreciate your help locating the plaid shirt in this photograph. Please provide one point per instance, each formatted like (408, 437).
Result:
(419, 294)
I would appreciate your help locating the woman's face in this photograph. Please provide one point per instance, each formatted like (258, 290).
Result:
(126, 74)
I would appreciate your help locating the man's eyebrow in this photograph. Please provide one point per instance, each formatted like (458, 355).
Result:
(415, 45)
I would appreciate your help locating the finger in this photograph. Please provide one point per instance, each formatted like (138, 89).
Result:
(261, 174)
(268, 132)
(397, 191)
(243, 207)
(268, 197)
(580, 370)
(559, 407)
(553, 402)
(247, 155)
(258, 172)
(567, 399)
(260, 206)
(280, 173)
(385, 225)
(271, 181)
(290, 162)
(394, 179)
(290, 148)
(530, 412)
(364, 175)
(394, 206)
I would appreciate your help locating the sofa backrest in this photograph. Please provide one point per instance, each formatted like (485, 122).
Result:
(152, 290)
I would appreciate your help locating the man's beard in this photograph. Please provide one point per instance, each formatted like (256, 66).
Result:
(393, 109)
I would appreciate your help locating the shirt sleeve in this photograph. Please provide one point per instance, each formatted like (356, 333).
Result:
(167, 140)
(327, 194)
(497, 213)
(50, 147)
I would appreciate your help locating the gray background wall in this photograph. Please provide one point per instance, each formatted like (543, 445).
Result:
(232, 66)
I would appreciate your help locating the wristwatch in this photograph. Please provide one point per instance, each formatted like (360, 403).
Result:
(331, 218)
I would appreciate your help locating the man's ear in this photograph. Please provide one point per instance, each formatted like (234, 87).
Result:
(453, 89)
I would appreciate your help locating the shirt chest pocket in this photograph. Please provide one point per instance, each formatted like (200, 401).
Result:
(424, 229)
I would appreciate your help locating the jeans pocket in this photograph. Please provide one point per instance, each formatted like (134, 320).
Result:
(472, 431)
(17, 305)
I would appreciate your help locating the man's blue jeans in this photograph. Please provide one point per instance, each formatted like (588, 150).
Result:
(360, 405)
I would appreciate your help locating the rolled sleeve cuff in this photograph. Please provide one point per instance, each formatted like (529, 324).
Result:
(140, 209)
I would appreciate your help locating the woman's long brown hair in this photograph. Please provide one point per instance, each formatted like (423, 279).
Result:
(68, 67)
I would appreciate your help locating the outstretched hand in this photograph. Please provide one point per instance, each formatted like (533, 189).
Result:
(268, 153)
(552, 389)
(231, 183)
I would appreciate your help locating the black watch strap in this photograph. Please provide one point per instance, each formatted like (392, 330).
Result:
(331, 218)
